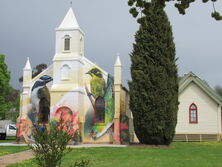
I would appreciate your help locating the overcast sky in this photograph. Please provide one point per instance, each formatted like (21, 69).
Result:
(27, 29)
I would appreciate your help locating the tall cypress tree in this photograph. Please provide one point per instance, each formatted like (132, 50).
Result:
(154, 86)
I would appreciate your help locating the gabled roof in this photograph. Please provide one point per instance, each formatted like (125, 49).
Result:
(191, 77)
(69, 21)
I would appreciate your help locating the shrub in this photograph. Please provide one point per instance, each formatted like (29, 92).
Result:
(50, 144)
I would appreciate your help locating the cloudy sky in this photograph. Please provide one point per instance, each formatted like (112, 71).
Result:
(27, 29)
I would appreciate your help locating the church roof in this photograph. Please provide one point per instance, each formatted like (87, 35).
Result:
(191, 77)
(69, 21)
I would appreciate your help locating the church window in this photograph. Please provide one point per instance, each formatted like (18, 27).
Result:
(99, 110)
(193, 116)
(65, 72)
(44, 110)
(67, 43)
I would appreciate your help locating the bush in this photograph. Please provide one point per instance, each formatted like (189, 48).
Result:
(50, 144)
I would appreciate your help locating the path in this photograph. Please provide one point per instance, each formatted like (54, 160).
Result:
(9, 159)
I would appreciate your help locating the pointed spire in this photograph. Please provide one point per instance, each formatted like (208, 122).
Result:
(27, 65)
(69, 22)
(118, 62)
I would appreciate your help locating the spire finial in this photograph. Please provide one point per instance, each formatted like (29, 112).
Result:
(28, 65)
(70, 3)
(118, 62)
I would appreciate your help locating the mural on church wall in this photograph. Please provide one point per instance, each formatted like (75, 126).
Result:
(24, 129)
(69, 120)
(124, 129)
(100, 115)
(124, 123)
(40, 100)
(39, 109)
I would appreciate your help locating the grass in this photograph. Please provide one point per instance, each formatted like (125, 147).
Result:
(207, 154)
(8, 140)
(12, 149)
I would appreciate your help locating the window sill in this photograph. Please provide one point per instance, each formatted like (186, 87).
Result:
(66, 51)
(65, 79)
(193, 122)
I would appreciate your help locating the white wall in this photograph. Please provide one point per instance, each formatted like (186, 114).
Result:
(207, 112)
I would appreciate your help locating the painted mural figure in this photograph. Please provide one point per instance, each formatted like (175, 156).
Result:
(69, 120)
(101, 97)
(97, 83)
(40, 100)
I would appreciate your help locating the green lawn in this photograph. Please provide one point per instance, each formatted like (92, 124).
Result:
(8, 140)
(12, 149)
(178, 155)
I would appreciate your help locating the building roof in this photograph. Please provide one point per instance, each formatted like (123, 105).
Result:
(191, 77)
(69, 21)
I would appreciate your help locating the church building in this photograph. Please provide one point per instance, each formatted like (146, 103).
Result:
(77, 90)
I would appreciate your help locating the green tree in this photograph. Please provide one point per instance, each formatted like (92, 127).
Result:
(4, 87)
(141, 6)
(154, 85)
(13, 99)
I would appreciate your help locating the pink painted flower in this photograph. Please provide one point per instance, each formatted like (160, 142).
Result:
(123, 126)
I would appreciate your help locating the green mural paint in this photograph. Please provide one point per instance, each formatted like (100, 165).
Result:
(99, 118)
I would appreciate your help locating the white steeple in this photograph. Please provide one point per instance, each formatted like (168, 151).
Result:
(117, 71)
(69, 37)
(27, 73)
(68, 51)
(118, 62)
(28, 65)
(69, 21)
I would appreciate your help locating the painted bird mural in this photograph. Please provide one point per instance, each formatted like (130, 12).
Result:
(38, 91)
(97, 83)
(102, 102)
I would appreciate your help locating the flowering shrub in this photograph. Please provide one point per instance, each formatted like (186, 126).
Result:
(50, 144)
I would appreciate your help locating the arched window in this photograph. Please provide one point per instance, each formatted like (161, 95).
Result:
(44, 110)
(65, 72)
(65, 114)
(193, 116)
(99, 110)
(67, 43)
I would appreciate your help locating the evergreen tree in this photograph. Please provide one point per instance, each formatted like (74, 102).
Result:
(154, 85)
(139, 6)
(4, 88)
